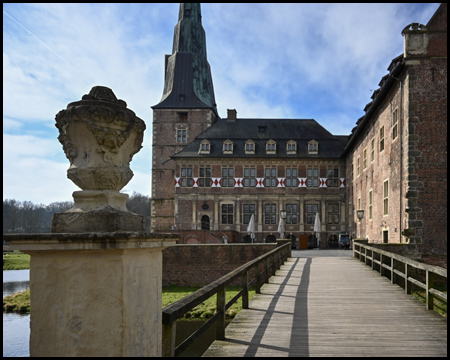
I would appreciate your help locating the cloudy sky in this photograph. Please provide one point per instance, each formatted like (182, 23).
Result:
(311, 61)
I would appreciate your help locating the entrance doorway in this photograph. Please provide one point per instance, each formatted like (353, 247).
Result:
(271, 239)
(205, 222)
(303, 242)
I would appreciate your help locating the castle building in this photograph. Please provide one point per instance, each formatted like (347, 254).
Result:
(210, 174)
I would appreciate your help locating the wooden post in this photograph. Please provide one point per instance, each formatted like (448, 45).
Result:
(245, 286)
(407, 283)
(266, 270)
(392, 270)
(430, 283)
(381, 264)
(220, 325)
(168, 339)
(258, 280)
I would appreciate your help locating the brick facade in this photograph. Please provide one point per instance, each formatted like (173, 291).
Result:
(415, 162)
(199, 265)
(393, 165)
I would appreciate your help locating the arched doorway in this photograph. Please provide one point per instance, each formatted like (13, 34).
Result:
(294, 241)
(271, 239)
(205, 222)
(333, 242)
(247, 239)
(312, 241)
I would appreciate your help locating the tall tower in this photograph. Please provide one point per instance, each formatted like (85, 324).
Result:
(186, 109)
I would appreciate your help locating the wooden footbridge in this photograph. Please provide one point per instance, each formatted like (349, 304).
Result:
(336, 306)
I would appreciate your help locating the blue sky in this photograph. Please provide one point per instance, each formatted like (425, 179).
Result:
(311, 61)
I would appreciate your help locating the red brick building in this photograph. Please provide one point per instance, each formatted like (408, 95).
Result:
(211, 174)
(396, 158)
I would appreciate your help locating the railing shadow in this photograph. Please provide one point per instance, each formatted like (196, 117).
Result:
(403, 271)
(175, 311)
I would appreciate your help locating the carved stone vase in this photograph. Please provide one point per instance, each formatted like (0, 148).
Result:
(99, 137)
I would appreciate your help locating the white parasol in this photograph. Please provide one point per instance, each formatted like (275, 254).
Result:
(251, 227)
(281, 227)
(317, 229)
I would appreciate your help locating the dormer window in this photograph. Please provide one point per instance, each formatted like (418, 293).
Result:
(228, 147)
(271, 147)
(291, 147)
(205, 147)
(313, 147)
(249, 147)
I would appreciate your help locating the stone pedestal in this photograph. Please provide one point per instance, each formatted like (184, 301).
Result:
(95, 294)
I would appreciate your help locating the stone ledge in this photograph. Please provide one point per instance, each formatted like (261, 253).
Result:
(90, 241)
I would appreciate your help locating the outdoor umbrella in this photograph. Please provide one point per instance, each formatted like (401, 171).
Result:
(251, 227)
(317, 229)
(281, 227)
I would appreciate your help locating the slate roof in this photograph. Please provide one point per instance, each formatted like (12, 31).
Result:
(260, 131)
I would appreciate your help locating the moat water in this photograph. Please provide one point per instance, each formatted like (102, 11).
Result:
(16, 327)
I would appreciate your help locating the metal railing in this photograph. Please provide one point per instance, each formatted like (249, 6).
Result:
(175, 311)
(387, 264)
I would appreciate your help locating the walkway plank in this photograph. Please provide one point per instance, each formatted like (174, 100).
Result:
(326, 306)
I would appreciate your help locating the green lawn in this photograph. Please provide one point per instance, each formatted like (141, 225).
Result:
(439, 306)
(20, 302)
(15, 260)
(206, 309)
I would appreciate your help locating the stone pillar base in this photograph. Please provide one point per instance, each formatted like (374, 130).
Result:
(95, 294)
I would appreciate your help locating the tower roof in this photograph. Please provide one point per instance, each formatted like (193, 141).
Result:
(188, 81)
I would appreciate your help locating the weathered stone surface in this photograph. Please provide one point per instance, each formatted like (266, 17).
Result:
(103, 220)
(99, 136)
(96, 294)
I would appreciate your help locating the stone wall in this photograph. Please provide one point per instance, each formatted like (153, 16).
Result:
(199, 265)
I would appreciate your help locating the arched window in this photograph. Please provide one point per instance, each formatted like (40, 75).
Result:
(205, 222)
(271, 239)
(247, 239)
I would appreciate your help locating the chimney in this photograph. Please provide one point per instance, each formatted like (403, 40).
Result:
(231, 114)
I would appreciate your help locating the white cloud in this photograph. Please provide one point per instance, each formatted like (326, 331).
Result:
(267, 60)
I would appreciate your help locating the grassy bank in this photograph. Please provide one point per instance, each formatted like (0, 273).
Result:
(206, 309)
(20, 302)
(439, 306)
(15, 261)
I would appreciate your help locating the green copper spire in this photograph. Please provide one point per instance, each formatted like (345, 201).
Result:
(189, 34)
(188, 82)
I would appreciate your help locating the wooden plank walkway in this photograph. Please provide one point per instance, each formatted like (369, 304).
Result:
(332, 307)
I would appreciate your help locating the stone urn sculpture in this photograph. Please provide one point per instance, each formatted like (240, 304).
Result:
(99, 137)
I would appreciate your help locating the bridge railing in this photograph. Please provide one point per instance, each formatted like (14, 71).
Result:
(271, 261)
(388, 264)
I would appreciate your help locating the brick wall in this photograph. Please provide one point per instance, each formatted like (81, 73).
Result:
(199, 265)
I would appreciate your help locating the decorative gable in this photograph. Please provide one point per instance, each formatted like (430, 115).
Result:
(227, 147)
(313, 147)
(205, 147)
(271, 147)
(250, 147)
(291, 147)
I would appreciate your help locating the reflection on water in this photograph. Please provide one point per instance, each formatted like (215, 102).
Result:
(16, 327)
(16, 335)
